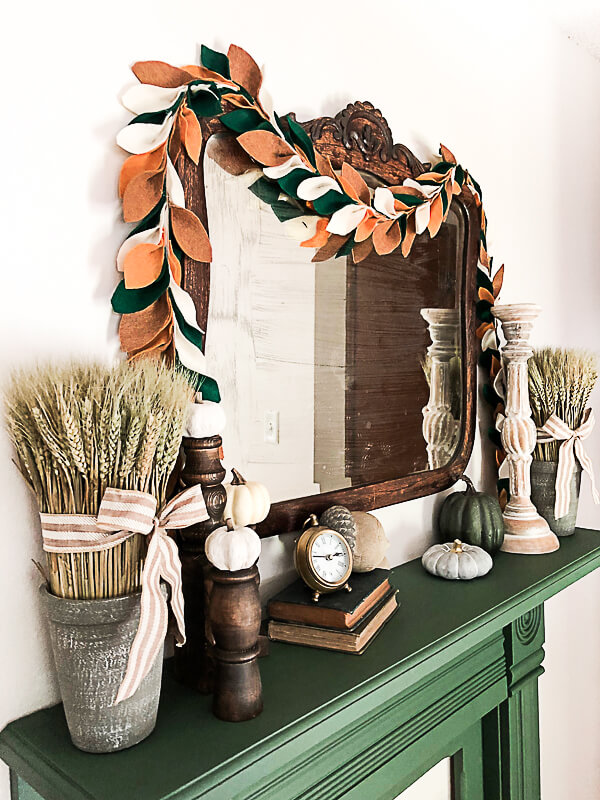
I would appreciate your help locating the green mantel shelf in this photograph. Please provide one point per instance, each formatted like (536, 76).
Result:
(454, 673)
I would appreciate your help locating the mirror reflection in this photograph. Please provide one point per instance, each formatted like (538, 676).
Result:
(332, 374)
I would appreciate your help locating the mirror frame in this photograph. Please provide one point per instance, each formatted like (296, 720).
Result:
(359, 135)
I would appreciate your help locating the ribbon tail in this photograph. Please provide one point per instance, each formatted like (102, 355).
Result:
(566, 465)
(152, 628)
(171, 572)
(586, 463)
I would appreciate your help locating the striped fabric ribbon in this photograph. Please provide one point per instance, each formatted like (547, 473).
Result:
(123, 513)
(572, 446)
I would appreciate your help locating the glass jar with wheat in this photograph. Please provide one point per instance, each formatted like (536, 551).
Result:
(561, 382)
(80, 428)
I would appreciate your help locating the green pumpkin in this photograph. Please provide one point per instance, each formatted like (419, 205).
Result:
(473, 517)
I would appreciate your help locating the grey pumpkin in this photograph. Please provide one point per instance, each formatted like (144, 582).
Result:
(340, 519)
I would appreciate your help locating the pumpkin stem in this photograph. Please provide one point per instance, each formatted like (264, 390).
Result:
(457, 547)
(237, 479)
(470, 486)
(229, 523)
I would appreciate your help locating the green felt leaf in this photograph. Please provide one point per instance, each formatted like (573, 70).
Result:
(483, 311)
(150, 118)
(151, 220)
(483, 239)
(199, 383)
(402, 223)
(284, 128)
(459, 175)
(442, 167)
(490, 395)
(428, 183)
(212, 59)
(193, 335)
(285, 211)
(484, 281)
(204, 104)
(444, 196)
(477, 186)
(266, 190)
(346, 248)
(410, 199)
(289, 183)
(245, 119)
(495, 436)
(330, 202)
(485, 359)
(128, 301)
(302, 139)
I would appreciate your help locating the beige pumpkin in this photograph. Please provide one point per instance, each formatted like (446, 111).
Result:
(204, 418)
(232, 548)
(248, 502)
(371, 543)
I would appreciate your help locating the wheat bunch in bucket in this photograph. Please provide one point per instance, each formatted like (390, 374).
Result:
(80, 428)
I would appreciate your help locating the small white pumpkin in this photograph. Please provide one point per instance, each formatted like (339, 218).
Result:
(204, 418)
(248, 502)
(232, 548)
(457, 561)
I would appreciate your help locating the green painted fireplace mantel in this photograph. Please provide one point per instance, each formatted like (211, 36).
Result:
(454, 673)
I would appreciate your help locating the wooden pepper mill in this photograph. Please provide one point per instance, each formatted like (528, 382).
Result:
(194, 666)
(235, 624)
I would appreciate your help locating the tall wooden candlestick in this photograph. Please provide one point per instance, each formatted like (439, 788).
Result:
(193, 663)
(525, 531)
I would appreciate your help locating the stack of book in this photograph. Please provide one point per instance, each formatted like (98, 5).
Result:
(344, 621)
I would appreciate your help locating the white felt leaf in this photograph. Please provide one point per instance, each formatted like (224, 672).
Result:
(275, 173)
(174, 185)
(383, 201)
(141, 137)
(189, 355)
(489, 340)
(151, 236)
(185, 304)
(499, 424)
(144, 98)
(301, 228)
(504, 471)
(422, 214)
(346, 219)
(500, 383)
(313, 188)
(426, 191)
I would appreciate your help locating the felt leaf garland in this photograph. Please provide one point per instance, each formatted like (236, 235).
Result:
(298, 182)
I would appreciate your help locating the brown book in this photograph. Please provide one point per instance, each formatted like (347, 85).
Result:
(351, 641)
(341, 610)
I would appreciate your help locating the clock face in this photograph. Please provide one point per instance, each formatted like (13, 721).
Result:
(330, 557)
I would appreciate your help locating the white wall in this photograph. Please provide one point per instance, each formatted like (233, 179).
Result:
(513, 90)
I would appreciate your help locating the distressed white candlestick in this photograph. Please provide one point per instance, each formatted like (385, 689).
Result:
(525, 531)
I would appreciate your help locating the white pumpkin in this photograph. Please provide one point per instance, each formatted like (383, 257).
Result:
(204, 418)
(248, 502)
(457, 561)
(232, 548)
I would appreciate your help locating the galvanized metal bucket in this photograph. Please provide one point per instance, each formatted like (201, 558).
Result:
(91, 640)
(543, 495)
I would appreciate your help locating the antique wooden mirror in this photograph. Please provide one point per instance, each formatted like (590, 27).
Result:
(342, 383)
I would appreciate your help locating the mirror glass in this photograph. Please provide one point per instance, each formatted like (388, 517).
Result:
(333, 375)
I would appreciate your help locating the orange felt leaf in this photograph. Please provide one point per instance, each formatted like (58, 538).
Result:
(503, 499)
(229, 155)
(159, 73)
(494, 368)
(324, 165)
(456, 188)
(238, 100)
(190, 234)
(405, 190)
(321, 236)
(330, 248)
(191, 134)
(497, 281)
(138, 329)
(386, 237)
(141, 195)
(483, 257)
(361, 250)
(365, 228)
(447, 155)
(484, 294)
(483, 328)
(436, 217)
(244, 69)
(144, 162)
(176, 138)
(265, 147)
(409, 236)
(142, 265)
(435, 177)
(352, 177)
(175, 265)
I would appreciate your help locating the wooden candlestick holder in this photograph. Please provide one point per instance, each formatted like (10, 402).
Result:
(235, 623)
(194, 665)
(525, 531)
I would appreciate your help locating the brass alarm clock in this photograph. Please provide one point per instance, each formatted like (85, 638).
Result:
(323, 558)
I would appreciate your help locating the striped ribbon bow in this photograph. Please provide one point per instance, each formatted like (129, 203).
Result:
(572, 445)
(123, 513)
